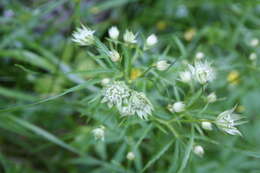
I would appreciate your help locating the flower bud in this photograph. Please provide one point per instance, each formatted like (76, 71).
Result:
(199, 55)
(206, 125)
(211, 98)
(151, 40)
(105, 81)
(253, 56)
(130, 156)
(177, 107)
(254, 42)
(99, 133)
(198, 150)
(162, 65)
(113, 32)
(185, 76)
(114, 55)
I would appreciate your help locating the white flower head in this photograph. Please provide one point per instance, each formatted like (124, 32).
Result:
(211, 98)
(129, 37)
(198, 150)
(185, 76)
(253, 56)
(130, 156)
(113, 32)
(151, 40)
(114, 55)
(99, 133)
(83, 36)
(162, 65)
(138, 104)
(116, 93)
(206, 125)
(177, 107)
(254, 42)
(105, 81)
(226, 121)
(202, 72)
(199, 55)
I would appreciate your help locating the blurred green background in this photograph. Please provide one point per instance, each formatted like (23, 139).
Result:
(36, 56)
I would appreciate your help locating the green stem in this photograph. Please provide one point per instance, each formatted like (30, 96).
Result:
(166, 123)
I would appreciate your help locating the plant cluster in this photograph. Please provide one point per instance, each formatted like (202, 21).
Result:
(132, 88)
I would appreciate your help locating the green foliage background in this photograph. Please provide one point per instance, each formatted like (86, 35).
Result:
(45, 119)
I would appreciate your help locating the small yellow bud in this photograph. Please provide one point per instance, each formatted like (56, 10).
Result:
(135, 73)
(233, 77)
(189, 34)
(161, 25)
(240, 108)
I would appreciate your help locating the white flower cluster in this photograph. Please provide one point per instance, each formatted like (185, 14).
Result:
(130, 37)
(201, 71)
(138, 104)
(116, 94)
(83, 36)
(126, 100)
(226, 121)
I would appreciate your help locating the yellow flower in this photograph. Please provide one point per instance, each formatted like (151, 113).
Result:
(233, 77)
(189, 34)
(161, 25)
(135, 73)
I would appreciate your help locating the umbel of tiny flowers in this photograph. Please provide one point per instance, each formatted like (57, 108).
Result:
(114, 55)
(206, 125)
(130, 156)
(138, 104)
(211, 98)
(198, 150)
(113, 32)
(99, 133)
(185, 76)
(151, 40)
(129, 37)
(162, 65)
(116, 93)
(126, 100)
(83, 36)
(177, 107)
(227, 120)
(202, 72)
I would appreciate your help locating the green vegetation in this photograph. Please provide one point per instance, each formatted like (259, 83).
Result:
(52, 115)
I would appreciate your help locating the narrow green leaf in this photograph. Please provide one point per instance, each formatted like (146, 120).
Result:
(16, 94)
(158, 155)
(76, 88)
(48, 136)
(187, 152)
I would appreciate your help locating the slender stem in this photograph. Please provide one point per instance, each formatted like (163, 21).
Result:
(146, 71)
